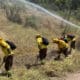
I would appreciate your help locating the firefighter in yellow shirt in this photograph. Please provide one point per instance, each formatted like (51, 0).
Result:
(8, 56)
(62, 48)
(71, 39)
(42, 45)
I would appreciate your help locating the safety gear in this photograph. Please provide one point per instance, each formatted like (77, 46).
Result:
(0, 38)
(40, 43)
(64, 38)
(8, 55)
(61, 43)
(71, 36)
(5, 48)
(12, 45)
(62, 47)
(38, 35)
(55, 40)
(45, 41)
(42, 49)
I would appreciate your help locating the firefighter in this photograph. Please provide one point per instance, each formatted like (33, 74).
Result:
(8, 56)
(42, 45)
(62, 47)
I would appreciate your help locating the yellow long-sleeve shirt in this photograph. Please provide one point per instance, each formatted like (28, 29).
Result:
(5, 48)
(61, 44)
(40, 43)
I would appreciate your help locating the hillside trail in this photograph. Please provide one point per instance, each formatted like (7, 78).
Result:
(73, 76)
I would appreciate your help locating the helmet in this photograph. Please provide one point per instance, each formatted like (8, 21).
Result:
(0, 38)
(38, 35)
(55, 40)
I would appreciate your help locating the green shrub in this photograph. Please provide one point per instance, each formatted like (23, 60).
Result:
(32, 21)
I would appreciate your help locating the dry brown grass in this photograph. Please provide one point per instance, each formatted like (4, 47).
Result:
(27, 49)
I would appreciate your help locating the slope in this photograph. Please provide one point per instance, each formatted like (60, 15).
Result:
(23, 35)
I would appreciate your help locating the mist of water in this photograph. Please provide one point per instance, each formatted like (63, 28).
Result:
(49, 13)
(34, 6)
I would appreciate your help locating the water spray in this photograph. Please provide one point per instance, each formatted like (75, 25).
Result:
(49, 13)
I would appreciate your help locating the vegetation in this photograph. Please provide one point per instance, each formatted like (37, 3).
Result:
(67, 8)
(22, 31)
(32, 21)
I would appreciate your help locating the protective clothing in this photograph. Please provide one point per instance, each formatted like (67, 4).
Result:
(62, 47)
(42, 48)
(40, 43)
(38, 35)
(61, 43)
(5, 47)
(8, 57)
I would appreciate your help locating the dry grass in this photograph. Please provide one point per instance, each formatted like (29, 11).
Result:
(27, 49)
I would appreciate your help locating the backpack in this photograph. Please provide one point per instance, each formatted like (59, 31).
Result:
(45, 41)
(12, 45)
(70, 36)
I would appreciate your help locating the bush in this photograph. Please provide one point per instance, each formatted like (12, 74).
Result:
(78, 14)
(12, 14)
(78, 44)
(32, 21)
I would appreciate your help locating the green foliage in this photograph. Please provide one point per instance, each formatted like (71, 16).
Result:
(13, 14)
(67, 7)
(77, 14)
(32, 21)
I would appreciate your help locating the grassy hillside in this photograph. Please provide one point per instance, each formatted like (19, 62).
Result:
(23, 35)
(67, 9)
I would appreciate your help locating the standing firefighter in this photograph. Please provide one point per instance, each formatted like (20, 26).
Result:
(8, 56)
(70, 38)
(62, 48)
(42, 45)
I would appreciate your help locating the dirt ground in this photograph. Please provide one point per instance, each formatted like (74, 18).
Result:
(73, 76)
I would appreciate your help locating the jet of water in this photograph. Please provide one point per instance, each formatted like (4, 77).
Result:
(31, 5)
(49, 13)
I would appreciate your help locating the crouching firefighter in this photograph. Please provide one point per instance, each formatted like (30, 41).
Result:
(8, 56)
(42, 45)
(62, 48)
